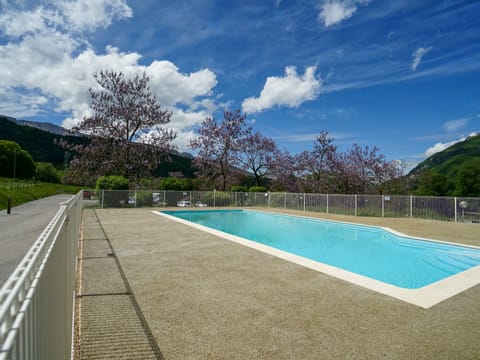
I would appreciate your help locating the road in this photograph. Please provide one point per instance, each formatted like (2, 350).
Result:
(20, 229)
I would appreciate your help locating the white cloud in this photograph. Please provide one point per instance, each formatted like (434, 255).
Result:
(438, 147)
(23, 105)
(418, 55)
(77, 15)
(92, 14)
(183, 139)
(183, 124)
(456, 124)
(17, 23)
(182, 119)
(335, 11)
(48, 61)
(442, 146)
(298, 137)
(173, 87)
(290, 90)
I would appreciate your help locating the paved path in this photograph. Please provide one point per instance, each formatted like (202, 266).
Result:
(109, 322)
(20, 229)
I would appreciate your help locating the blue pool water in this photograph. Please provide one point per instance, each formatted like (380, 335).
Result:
(369, 251)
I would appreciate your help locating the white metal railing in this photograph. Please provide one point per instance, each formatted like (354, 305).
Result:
(458, 209)
(36, 302)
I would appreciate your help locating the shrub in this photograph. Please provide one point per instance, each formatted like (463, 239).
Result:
(257, 189)
(112, 182)
(175, 183)
(46, 172)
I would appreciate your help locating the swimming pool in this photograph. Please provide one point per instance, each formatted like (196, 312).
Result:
(371, 252)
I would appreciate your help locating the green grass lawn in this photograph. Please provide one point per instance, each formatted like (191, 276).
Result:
(24, 191)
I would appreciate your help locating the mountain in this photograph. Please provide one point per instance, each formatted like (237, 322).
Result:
(49, 127)
(450, 160)
(38, 139)
(39, 143)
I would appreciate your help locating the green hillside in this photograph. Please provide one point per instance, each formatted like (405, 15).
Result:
(40, 144)
(454, 171)
(450, 160)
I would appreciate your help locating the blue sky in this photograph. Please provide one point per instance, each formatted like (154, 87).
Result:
(401, 75)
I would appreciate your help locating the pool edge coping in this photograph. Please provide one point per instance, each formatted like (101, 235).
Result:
(424, 297)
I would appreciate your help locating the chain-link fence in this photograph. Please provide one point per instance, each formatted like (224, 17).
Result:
(456, 209)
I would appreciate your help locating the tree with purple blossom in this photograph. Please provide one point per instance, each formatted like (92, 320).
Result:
(126, 133)
(219, 146)
(259, 155)
(316, 167)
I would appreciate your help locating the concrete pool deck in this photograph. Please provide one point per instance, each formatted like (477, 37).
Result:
(181, 293)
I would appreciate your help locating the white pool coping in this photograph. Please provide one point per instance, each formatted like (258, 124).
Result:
(424, 297)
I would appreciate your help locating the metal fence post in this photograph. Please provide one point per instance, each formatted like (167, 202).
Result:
(455, 208)
(214, 191)
(383, 205)
(411, 206)
(285, 201)
(304, 202)
(103, 196)
(327, 203)
(356, 204)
